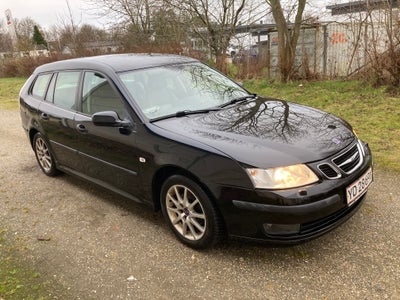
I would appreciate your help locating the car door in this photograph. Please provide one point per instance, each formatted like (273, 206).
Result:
(56, 115)
(108, 152)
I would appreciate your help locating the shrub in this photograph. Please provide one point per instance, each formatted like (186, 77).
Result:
(24, 66)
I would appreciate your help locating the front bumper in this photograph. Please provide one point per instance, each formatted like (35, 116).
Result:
(300, 232)
(291, 216)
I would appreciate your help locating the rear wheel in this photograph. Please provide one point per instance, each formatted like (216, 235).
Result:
(43, 155)
(190, 213)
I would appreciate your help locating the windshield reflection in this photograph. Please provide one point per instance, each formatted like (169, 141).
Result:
(165, 90)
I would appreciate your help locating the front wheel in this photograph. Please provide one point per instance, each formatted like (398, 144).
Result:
(43, 155)
(190, 213)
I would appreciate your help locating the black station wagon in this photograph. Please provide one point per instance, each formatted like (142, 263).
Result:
(175, 134)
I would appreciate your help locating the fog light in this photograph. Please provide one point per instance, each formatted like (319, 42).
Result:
(281, 229)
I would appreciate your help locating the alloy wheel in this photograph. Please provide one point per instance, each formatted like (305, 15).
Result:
(43, 155)
(186, 212)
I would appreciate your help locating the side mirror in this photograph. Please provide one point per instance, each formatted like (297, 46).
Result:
(109, 118)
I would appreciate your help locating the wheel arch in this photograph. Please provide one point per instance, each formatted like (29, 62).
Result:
(32, 133)
(164, 173)
(219, 227)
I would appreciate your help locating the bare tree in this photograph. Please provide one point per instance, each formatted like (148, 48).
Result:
(392, 29)
(5, 42)
(214, 22)
(91, 33)
(134, 15)
(288, 35)
(24, 31)
(169, 26)
(5, 39)
(375, 33)
(67, 30)
(53, 37)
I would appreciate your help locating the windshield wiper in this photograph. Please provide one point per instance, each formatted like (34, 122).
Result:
(240, 99)
(183, 113)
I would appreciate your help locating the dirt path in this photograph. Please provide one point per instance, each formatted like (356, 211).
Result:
(98, 246)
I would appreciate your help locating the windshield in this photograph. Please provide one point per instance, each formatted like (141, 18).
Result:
(166, 90)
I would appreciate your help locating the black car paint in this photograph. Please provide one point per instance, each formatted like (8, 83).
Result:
(254, 133)
(213, 149)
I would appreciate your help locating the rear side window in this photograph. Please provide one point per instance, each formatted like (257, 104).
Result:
(40, 86)
(66, 88)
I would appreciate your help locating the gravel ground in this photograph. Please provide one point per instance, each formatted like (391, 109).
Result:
(94, 245)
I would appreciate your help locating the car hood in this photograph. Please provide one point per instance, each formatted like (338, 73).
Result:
(266, 133)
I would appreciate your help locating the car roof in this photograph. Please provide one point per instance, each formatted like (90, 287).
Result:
(116, 62)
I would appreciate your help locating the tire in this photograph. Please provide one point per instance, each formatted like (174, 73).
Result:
(43, 155)
(190, 213)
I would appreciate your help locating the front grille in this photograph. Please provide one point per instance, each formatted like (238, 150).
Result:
(329, 171)
(350, 160)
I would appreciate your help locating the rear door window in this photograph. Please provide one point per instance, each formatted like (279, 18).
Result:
(66, 89)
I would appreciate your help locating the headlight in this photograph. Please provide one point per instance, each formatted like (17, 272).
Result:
(282, 177)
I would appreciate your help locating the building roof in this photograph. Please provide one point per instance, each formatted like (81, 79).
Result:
(359, 6)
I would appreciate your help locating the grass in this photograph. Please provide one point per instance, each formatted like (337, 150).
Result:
(9, 90)
(373, 113)
(16, 280)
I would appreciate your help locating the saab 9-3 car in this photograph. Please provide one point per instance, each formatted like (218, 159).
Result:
(170, 132)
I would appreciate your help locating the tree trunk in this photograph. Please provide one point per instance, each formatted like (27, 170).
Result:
(288, 35)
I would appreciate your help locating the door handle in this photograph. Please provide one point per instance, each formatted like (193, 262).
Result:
(81, 128)
(44, 116)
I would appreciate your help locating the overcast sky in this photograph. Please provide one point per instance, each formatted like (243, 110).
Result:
(49, 12)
